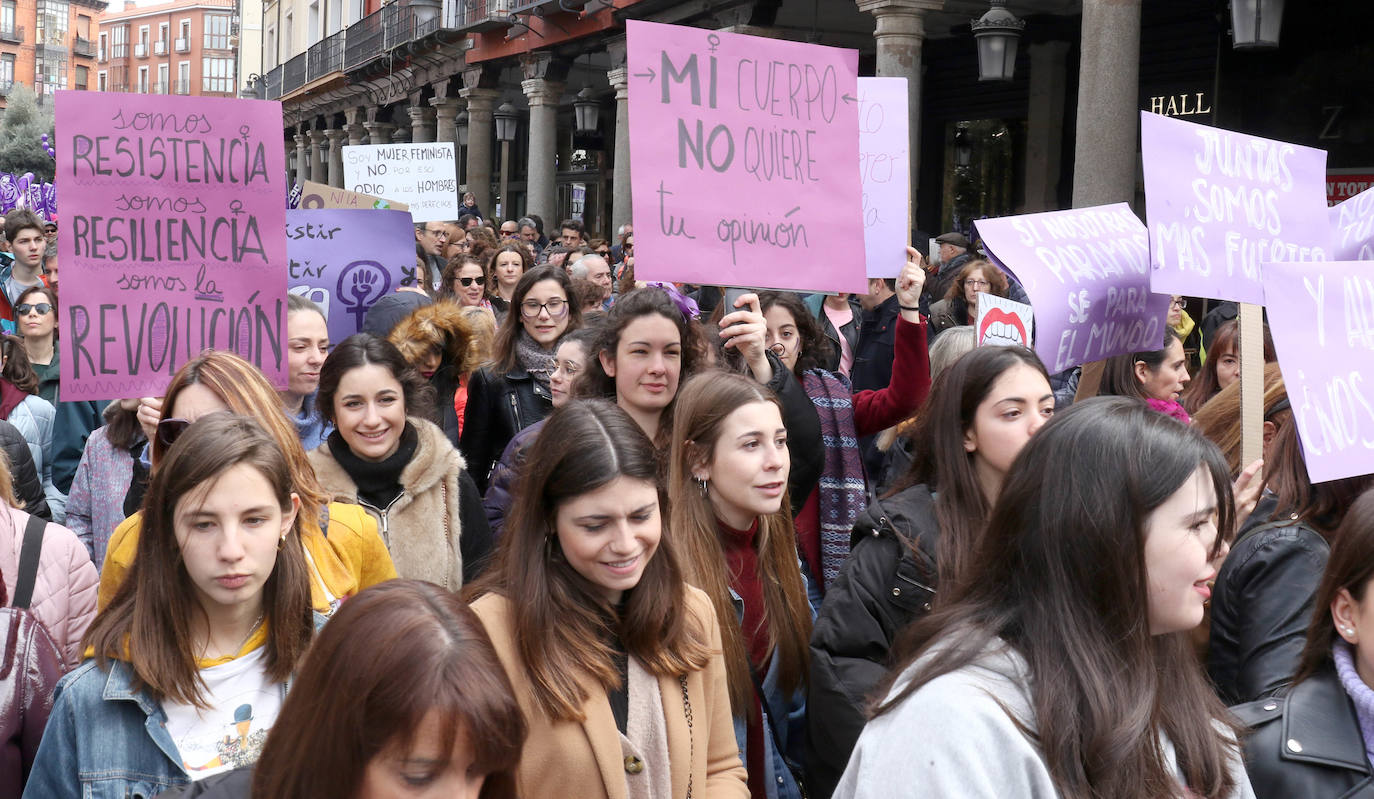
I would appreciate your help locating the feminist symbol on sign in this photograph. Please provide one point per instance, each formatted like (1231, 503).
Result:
(362, 283)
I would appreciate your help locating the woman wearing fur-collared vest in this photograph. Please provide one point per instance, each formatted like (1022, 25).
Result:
(387, 457)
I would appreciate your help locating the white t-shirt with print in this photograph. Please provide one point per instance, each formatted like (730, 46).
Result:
(244, 704)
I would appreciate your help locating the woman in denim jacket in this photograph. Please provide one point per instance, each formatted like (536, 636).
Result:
(729, 514)
(193, 654)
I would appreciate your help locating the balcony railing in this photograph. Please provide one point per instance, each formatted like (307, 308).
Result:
(183, 86)
(272, 83)
(84, 47)
(160, 47)
(140, 50)
(526, 6)
(119, 51)
(293, 74)
(363, 41)
(183, 45)
(324, 57)
(14, 34)
(476, 15)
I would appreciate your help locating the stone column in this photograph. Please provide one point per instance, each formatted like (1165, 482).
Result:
(337, 138)
(1044, 126)
(542, 191)
(400, 135)
(421, 124)
(356, 130)
(378, 132)
(481, 136)
(622, 209)
(302, 157)
(1104, 162)
(445, 113)
(317, 163)
(900, 34)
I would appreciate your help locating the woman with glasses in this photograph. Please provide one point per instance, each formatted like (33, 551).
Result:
(342, 546)
(387, 455)
(960, 305)
(513, 392)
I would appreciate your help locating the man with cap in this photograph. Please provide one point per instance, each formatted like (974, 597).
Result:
(50, 231)
(954, 253)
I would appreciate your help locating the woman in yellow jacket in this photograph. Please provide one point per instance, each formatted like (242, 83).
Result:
(343, 549)
(615, 660)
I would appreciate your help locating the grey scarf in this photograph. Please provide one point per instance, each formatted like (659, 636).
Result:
(533, 358)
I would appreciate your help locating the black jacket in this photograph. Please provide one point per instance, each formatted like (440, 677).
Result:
(235, 784)
(803, 433)
(499, 406)
(28, 489)
(888, 580)
(877, 336)
(1307, 743)
(1262, 607)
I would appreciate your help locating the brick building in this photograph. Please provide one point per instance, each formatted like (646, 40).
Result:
(183, 47)
(47, 44)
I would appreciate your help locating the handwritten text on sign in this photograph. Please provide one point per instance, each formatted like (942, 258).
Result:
(423, 176)
(172, 237)
(346, 260)
(743, 154)
(1087, 274)
(1222, 203)
(1322, 316)
(885, 172)
(1352, 223)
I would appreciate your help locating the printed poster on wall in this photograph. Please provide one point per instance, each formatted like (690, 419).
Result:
(173, 237)
(1087, 271)
(743, 155)
(1222, 203)
(344, 260)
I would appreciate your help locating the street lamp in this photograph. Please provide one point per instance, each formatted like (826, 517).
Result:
(586, 111)
(460, 122)
(1255, 24)
(507, 123)
(997, 32)
(963, 150)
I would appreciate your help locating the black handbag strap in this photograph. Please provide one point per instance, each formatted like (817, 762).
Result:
(28, 562)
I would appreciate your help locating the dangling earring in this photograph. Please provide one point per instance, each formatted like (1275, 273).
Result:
(282, 542)
(704, 486)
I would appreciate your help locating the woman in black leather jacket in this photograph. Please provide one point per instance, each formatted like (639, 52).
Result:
(1314, 740)
(512, 392)
(1262, 600)
(980, 413)
(28, 489)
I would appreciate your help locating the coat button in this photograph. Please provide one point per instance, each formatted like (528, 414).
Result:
(896, 592)
(633, 764)
(926, 607)
(1293, 745)
(1271, 706)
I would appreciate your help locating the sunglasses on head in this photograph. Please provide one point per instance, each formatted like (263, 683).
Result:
(468, 281)
(23, 309)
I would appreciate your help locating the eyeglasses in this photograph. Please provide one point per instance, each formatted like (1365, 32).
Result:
(604, 253)
(169, 430)
(443, 234)
(556, 307)
(1179, 302)
(43, 309)
(509, 234)
(481, 281)
(977, 284)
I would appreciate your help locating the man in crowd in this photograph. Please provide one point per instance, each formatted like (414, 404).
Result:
(573, 233)
(50, 232)
(433, 237)
(510, 229)
(623, 233)
(529, 231)
(50, 264)
(596, 270)
(954, 253)
(27, 243)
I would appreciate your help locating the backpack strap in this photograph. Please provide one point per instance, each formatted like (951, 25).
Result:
(28, 562)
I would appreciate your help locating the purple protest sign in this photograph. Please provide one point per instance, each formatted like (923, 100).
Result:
(1221, 203)
(1087, 272)
(744, 156)
(173, 238)
(347, 259)
(1322, 318)
(1352, 224)
(885, 172)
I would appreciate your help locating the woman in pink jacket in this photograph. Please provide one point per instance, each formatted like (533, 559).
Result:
(64, 587)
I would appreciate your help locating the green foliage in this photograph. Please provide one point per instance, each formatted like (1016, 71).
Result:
(21, 134)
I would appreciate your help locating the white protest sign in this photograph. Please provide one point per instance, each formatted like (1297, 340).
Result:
(423, 176)
(1003, 322)
(884, 172)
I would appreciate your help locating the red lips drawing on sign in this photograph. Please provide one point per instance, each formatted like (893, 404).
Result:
(1003, 322)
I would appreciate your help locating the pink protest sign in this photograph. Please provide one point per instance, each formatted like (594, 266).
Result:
(1221, 203)
(1352, 225)
(173, 237)
(743, 155)
(1322, 318)
(885, 173)
(1087, 272)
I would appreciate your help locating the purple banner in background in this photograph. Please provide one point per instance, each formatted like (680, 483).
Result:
(1352, 225)
(1087, 273)
(1222, 203)
(1322, 318)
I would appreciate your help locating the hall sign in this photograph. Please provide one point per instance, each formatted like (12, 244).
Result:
(1180, 105)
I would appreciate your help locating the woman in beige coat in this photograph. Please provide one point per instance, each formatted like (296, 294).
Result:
(615, 660)
(399, 466)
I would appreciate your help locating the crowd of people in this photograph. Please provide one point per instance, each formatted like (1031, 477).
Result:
(542, 529)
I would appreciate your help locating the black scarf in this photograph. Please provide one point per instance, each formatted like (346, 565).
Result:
(379, 482)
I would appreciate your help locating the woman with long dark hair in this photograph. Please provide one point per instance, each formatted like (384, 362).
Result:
(1062, 659)
(1222, 367)
(615, 659)
(193, 654)
(910, 546)
(1157, 377)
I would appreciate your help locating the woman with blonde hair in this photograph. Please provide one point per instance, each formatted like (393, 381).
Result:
(727, 486)
(342, 545)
